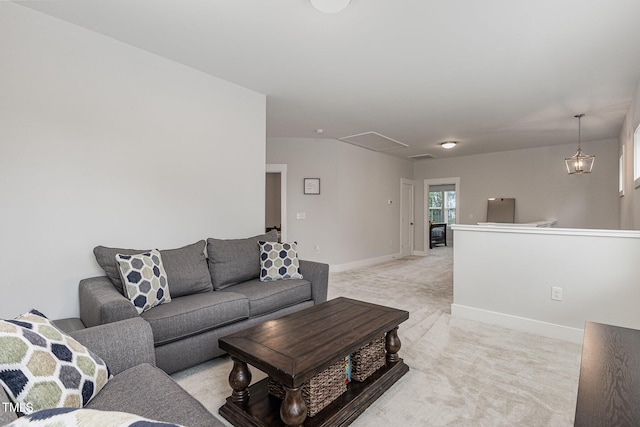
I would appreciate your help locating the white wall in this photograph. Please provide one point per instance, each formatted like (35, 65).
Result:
(505, 277)
(630, 202)
(103, 143)
(351, 220)
(538, 180)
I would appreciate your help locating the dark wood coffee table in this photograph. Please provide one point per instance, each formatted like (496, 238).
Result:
(609, 387)
(294, 348)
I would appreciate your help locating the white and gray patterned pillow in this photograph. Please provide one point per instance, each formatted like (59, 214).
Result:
(69, 417)
(279, 261)
(144, 279)
(41, 367)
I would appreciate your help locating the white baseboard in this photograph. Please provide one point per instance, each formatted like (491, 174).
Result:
(420, 253)
(545, 329)
(337, 268)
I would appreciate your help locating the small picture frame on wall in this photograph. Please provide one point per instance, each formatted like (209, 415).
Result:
(312, 186)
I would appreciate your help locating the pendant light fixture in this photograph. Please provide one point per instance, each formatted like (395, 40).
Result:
(579, 163)
(330, 6)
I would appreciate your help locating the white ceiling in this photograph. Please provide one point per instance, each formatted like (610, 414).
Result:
(493, 74)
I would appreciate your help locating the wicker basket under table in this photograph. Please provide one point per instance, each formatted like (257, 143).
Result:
(368, 359)
(320, 390)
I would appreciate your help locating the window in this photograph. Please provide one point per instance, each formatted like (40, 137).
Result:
(442, 204)
(636, 157)
(450, 207)
(435, 206)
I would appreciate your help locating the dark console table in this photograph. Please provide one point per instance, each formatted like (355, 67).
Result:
(609, 387)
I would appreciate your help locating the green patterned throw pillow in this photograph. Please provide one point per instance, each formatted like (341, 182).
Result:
(279, 261)
(71, 417)
(41, 367)
(144, 279)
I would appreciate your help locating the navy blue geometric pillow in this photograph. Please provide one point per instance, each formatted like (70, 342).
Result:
(279, 261)
(144, 279)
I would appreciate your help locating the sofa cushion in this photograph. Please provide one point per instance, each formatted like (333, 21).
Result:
(193, 314)
(147, 391)
(144, 279)
(235, 260)
(41, 367)
(186, 267)
(266, 297)
(279, 261)
(74, 417)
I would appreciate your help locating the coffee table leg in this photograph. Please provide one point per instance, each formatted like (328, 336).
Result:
(293, 410)
(239, 380)
(392, 345)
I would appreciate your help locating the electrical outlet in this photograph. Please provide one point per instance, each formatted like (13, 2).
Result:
(317, 248)
(556, 293)
(301, 215)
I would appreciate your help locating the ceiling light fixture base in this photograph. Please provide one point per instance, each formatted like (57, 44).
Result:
(330, 6)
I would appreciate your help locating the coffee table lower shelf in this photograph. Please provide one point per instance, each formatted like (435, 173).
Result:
(262, 409)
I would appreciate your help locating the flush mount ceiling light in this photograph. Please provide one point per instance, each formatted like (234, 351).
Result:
(330, 6)
(579, 163)
(448, 144)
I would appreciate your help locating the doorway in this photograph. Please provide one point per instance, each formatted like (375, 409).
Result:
(407, 204)
(276, 200)
(441, 206)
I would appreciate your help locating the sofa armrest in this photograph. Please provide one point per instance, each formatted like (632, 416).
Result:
(121, 345)
(318, 274)
(7, 414)
(101, 302)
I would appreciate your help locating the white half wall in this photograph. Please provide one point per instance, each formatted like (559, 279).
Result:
(106, 144)
(504, 276)
(350, 223)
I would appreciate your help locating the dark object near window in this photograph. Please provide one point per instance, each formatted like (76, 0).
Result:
(501, 210)
(437, 234)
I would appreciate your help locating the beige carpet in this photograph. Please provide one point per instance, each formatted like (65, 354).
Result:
(462, 373)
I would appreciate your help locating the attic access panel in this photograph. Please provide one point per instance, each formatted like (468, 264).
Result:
(422, 156)
(373, 141)
(501, 209)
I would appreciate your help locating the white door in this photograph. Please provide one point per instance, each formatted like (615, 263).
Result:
(406, 218)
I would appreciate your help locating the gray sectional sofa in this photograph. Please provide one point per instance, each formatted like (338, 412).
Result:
(212, 295)
(137, 387)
